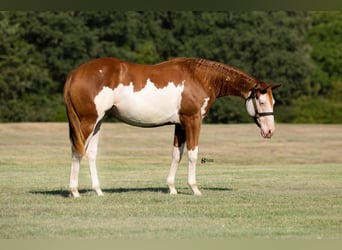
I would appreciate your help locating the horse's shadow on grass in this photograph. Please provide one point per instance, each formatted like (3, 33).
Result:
(165, 190)
(66, 193)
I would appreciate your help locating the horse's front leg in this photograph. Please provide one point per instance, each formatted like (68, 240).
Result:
(192, 129)
(178, 147)
(192, 156)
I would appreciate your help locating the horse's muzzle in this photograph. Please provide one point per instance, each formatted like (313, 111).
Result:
(267, 132)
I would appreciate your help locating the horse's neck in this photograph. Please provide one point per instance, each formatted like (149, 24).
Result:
(227, 80)
(235, 83)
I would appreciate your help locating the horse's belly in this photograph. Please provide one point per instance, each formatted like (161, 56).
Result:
(145, 114)
(150, 106)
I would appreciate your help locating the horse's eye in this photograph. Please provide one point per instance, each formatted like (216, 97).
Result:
(263, 91)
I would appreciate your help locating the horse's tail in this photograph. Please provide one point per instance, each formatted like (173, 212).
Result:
(75, 132)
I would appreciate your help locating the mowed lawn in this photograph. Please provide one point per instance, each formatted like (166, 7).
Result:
(288, 187)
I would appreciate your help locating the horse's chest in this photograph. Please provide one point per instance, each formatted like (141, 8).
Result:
(148, 107)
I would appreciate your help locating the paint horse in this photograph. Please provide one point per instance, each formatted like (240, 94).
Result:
(180, 91)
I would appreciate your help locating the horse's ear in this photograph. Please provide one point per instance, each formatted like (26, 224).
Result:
(274, 86)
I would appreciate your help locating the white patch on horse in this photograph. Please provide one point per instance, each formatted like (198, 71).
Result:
(103, 101)
(148, 107)
(204, 106)
(266, 105)
(250, 106)
(192, 157)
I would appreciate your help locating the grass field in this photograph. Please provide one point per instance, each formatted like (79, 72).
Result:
(289, 187)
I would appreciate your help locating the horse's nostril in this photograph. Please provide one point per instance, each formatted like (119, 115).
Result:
(270, 132)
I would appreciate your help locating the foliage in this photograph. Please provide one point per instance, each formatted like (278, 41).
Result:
(324, 102)
(326, 39)
(301, 50)
(23, 79)
(311, 110)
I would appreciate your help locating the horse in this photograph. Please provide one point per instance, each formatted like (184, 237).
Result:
(177, 92)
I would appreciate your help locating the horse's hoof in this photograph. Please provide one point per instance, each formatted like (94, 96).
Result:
(195, 190)
(172, 189)
(99, 192)
(75, 194)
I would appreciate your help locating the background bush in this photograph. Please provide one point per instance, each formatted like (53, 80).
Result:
(300, 50)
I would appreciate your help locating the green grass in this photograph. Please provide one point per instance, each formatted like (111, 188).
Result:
(289, 187)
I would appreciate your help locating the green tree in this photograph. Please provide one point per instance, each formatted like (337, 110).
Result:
(60, 37)
(38, 49)
(326, 39)
(23, 81)
(324, 102)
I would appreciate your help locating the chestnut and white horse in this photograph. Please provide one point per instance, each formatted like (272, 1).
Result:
(180, 91)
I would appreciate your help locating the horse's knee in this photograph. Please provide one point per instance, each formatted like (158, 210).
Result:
(176, 154)
(193, 155)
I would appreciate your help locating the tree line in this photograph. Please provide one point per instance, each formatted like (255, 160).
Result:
(301, 50)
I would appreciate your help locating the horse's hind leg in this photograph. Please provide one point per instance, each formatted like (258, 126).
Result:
(93, 133)
(75, 168)
(91, 153)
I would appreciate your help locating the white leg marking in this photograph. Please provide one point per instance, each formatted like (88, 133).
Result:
(91, 155)
(204, 106)
(192, 156)
(75, 168)
(176, 158)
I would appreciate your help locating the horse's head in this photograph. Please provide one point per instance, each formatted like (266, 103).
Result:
(259, 105)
